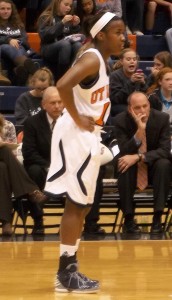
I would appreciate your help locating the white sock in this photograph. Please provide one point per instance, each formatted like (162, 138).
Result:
(77, 244)
(67, 248)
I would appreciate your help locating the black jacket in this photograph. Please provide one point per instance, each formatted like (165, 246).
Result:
(56, 31)
(37, 140)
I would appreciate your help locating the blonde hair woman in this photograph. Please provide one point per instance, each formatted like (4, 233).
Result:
(29, 103)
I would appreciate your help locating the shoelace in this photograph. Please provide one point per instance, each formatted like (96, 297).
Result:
(80, 281)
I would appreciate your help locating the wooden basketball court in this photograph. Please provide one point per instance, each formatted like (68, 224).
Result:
(127, 270)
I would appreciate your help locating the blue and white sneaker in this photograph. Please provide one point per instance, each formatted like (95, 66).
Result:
(71, 281)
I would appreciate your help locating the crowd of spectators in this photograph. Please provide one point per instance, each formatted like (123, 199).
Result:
(60, 26)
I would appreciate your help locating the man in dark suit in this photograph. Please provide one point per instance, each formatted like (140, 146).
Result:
(37, 141)
(131, 128)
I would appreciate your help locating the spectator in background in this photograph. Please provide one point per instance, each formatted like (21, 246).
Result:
(7, 131)
(151, 8)
(161, 60)
(160, 93)
(29, 103)
(13, 42)
(13, 178)
(125, 80)
(55, 26)
(37, 136)
(131, 128)
(132, 14)
(85, 8)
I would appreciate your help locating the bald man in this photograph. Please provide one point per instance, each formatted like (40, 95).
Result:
(131, 127)
(37, 139)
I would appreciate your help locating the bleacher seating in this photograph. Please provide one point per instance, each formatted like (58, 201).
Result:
(145, 65)
(148, 45)
(34, 41)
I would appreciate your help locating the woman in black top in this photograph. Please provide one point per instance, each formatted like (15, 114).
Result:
(125, 80)
(56, 25)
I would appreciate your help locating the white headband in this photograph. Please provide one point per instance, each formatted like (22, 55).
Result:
(101, 23)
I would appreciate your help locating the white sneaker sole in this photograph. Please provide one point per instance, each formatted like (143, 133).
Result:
(93, 291)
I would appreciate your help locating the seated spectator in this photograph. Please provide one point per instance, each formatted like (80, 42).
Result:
(160, 93)
(125, 80)
(85, 8)
(13, 178)
(161, 60)
(7, 131)
(29, 103)
(56, 27)
(143, 136)
(37, 136)
(132, 14)
(13, 42)
(151, 8)
(168, 36)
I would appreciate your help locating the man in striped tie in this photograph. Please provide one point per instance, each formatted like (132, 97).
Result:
(143, 136)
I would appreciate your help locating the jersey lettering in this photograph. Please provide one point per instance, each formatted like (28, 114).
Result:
(100, 94)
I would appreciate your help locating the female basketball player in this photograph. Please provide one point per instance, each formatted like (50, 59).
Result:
(75, 157)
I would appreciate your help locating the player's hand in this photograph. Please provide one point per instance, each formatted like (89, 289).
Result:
(86, 123)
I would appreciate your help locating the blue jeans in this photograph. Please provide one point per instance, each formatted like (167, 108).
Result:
(10, 52)
(60, 51)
